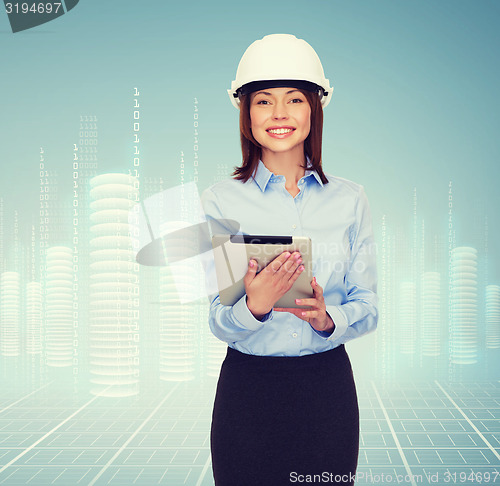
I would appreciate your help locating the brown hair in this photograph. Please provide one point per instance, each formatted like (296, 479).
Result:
(251, 149)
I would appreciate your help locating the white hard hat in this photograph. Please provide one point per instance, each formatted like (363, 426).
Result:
(280, 60)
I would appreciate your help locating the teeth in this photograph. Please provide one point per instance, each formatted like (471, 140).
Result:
(280, 131)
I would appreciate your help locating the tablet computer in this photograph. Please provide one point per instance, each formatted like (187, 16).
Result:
(233, 252)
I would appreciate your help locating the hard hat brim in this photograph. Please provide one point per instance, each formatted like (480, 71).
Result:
(324, 96)
(279, 83)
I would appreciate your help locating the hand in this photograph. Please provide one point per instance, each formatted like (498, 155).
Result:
(274, 281)
(317, 316)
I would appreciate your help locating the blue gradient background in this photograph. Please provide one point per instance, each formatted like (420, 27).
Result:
(415, 93)
(415, 102)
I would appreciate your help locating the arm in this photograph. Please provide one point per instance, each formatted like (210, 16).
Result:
(234, 323)
(227, 323)
(359, 314)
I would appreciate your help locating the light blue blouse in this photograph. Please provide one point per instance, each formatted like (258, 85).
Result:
(336, 216)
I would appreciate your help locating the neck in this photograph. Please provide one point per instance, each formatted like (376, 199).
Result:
(287, 164)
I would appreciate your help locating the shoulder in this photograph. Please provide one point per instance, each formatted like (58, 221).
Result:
(225, 185)
(352, 194)
(227, 191)
(342, 186)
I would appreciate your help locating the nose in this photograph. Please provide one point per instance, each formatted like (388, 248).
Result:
(280, 111)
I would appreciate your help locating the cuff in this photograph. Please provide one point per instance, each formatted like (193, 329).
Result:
(339, 319)
(243, 315)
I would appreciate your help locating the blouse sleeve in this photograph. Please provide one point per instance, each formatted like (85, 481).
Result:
(359, 314)
(227, 323)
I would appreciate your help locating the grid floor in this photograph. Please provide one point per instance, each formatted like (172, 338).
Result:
(411, 433)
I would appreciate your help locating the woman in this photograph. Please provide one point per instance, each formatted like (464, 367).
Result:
(286, 404)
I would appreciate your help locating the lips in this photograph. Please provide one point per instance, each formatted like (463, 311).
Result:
(280, 132)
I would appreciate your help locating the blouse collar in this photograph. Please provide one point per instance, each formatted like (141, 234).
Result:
(263, 175)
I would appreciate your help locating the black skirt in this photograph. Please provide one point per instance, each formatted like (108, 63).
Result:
(277, 420)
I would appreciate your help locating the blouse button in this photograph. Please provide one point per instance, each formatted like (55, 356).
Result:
(294, 335)
(294, 226)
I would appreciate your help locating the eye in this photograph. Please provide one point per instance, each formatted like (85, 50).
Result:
(262, 102)
(296, 100)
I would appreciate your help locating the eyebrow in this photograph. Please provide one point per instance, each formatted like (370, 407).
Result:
(269, 94)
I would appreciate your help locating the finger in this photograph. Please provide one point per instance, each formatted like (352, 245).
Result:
(251, 271)
(317, 289)
(296, 275)
(276, 264)
(290, 266)
(311, 302)
(312, 314)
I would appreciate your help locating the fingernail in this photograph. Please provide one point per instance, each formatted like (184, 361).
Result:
(297, 301)
(303, 313)
(251, 263)
(301, 268)
(287, 254)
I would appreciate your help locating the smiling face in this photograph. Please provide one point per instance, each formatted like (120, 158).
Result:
(280, 120)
